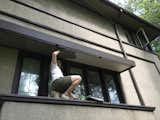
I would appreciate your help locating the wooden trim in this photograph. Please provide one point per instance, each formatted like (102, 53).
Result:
(104, 86)
(28, 32)
(119, 88)
(16, 79)
(1, 104)
(44, 76)
(53, 40)
(151, 52)
(45, 12)
(50, 100)
(130, 71)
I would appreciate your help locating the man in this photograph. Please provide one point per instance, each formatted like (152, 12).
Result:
(62, 84)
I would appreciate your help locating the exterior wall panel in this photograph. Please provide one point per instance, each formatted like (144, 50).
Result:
(138, 53)
(129, 90)
(146, 74)
(31, 111)
(148, 80)
(8, 59)
(59, 25)
(74, 13)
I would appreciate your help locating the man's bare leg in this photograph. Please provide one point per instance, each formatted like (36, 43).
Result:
(76, 79)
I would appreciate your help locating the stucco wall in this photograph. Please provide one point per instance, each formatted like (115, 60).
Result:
(30, 111)
(129, 90)
(146, 74)
(8, 59)
(63, 26)
(148, 81)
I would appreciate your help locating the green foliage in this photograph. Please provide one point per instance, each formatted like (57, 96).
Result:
(150, 11)
(147, 9)
(156, 46)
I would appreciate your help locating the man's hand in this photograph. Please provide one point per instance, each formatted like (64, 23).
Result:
(56, 52)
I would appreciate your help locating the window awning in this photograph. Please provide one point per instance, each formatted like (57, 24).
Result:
(25, 38)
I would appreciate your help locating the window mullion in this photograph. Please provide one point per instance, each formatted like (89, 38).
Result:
(103, 84)
(119, 88)
(86, 83)
(44, 76)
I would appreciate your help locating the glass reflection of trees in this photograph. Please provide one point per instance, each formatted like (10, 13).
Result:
(110, 84)
(94, 84)
(79, 90)
(29, 77)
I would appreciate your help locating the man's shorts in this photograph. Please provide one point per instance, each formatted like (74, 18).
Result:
(61, 84)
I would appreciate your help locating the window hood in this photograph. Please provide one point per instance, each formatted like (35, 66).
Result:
(17, 36)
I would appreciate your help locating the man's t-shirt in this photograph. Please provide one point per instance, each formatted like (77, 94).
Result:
(55, 72)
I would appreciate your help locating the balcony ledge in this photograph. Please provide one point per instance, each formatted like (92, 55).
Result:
(50, 100)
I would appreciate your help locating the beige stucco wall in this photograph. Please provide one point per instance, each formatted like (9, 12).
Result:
(8, 59)
(129, 90)
(31, 111)
(148, 81)
(74, 13)
(145, 73)
(63, 26)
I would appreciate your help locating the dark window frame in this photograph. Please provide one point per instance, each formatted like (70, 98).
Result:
(43, 87)
(44, 75)
(135, 41)
(101, 71)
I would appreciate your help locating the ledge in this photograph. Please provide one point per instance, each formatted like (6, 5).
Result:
(50, 100)
(93, 56)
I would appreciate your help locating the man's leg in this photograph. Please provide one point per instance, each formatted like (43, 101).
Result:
(76, 79)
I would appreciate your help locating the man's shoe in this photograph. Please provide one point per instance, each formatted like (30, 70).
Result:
(55, 94)
(65, 97)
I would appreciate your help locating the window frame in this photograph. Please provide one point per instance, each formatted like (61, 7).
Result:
(44, 75)
(43, 87)
(101, 72)
(135, 41)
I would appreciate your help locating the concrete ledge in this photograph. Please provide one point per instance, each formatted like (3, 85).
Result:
(50, 100)
(112, 62)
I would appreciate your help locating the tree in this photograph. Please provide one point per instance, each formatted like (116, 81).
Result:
(150, 11)
(147, 9)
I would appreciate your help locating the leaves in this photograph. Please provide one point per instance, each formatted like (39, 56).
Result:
(150, 11)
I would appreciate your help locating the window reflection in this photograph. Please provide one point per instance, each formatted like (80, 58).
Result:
(29, 77)
(94, 84)
(79, 90)
(111, 87)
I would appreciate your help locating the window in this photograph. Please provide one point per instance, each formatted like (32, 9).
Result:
(96, 82)
(111, 88)
(29, 77)
(33, 79)
(139, 39)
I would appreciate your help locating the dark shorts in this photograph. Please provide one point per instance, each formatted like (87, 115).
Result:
(61, 84)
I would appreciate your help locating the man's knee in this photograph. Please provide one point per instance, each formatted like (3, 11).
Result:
(76, 79)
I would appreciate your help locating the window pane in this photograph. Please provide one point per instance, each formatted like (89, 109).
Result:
(142, 38)
(80, 89)
(94, 84)
(29, 78)
(111, 87)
